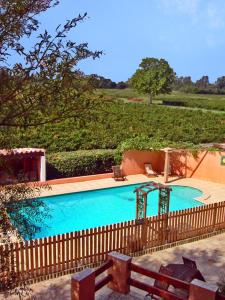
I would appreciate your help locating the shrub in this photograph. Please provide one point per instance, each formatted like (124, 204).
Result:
(144, 143)
(79, 163)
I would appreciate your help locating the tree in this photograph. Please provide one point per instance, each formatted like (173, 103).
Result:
(183, 83)
(19, 202)
(186, 80)
(101, 82)
(46, 79)
(121, 85)
(203, 82)
(44, 86)
(153, 77)
(220, 82)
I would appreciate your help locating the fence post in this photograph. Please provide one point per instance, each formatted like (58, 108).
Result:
(214, 215)
(202, 290)
(144, 233)
(165, 223)
(120, 272)
(163, 232)
(83, 285)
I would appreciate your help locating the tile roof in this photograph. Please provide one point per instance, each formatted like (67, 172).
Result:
(6, 152)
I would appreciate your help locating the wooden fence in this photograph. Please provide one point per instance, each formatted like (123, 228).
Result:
(62, 253)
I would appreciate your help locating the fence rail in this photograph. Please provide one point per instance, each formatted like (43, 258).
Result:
(64, 252)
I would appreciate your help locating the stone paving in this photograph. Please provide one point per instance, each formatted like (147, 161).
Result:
(93, 185)
(212, 192)
(208, 253)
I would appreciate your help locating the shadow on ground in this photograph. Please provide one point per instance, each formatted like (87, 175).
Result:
(209, 255)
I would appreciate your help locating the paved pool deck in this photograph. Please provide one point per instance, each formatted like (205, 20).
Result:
(212, 192)
(209, 255)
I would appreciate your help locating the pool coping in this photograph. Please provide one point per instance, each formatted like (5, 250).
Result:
(204, 197)
(200, 199)
(99, 184)
(77, 179)
(212, 191)
(92, 189)
(110, 184)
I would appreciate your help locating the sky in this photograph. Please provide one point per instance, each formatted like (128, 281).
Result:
(189, 34)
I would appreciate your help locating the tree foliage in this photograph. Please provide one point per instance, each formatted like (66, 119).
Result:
(201, 86)
(220, 82)
(145, 143)
(18, 19)
(46, 79)
(153, 77)
(100, 82)
(20, 212)
(203, 82)
(44, 86)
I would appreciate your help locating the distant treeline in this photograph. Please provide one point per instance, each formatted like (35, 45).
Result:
(101, 82)
(183, 84)
(201, 86)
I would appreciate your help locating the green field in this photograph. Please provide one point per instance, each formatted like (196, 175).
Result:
(122, 120)
(209, 102)
(113, 122)
(126, 95)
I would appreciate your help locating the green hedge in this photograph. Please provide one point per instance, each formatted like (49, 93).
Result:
(79, 163)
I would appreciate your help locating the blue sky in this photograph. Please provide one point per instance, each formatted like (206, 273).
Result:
(190, 34)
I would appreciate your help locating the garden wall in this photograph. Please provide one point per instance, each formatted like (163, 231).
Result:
(79, 179)
(202, 165)
(134, 161)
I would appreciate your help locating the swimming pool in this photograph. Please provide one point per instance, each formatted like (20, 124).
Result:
(83, 210)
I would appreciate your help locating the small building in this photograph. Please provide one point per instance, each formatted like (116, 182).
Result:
(26, 164)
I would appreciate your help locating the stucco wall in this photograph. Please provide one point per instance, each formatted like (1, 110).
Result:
(204, 165)
(133, 161)
(79, 179)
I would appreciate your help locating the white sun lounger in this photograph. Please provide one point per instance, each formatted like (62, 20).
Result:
(149, 171)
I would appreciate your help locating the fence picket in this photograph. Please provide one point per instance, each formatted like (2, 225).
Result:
(62, 252)
(37, 258)
(21, 249)
(41, 256)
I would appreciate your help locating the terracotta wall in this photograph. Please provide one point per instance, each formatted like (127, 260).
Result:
(78, 179)
(204, 165)
(133, 161)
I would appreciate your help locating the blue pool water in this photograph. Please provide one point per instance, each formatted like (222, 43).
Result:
(76, 211)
